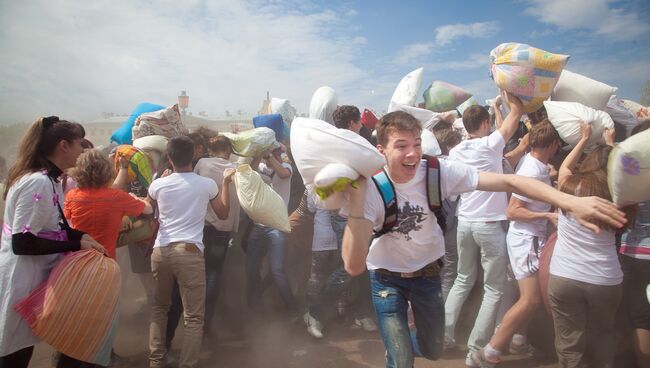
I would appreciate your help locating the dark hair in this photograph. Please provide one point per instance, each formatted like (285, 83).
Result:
(199, 140)
(180, 151)
(474, 116)
(396, 121)
(543, 135)
(447, 138)
(38, 143)
(343, 115)
(206, 132)
(219, 144)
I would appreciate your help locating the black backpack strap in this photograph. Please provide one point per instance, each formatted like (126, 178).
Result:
(387, 192)
(434, 194)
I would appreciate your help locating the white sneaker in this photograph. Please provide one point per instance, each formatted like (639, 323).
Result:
(314, 327)
(366, 323)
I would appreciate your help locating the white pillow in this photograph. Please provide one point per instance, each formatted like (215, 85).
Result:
(427, 118)
(260, 202)
(430, 144)
(628, 170)
(574, 87)
(566, 117)
(283, 107)
(408, 88)
(252, 142)
(322, 104)
(315, 144)
(152, 142)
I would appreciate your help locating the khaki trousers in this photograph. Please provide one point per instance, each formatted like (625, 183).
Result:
(184, 263)
(584, 318)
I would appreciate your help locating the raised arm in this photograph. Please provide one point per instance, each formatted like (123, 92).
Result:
(511, 122)
(586, 209)
(358, 231)
(516, 154)
(569, 163)
(221, 203)
(122, 175)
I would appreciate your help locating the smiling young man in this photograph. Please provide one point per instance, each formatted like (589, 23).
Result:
(404, 263)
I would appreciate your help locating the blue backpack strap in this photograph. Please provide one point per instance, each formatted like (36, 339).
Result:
(387, 191)
(434, 194)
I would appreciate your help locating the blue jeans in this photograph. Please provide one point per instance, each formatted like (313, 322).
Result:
(261, 240)
(391, 296)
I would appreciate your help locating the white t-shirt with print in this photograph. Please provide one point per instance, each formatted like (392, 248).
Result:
(416, 239)
(182, 204)
(280, 185)
(213, 168)
(484, 154)
(582, 255)
(531, 167)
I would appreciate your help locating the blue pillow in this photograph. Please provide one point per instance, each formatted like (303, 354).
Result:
(272, 121)
(122, 135)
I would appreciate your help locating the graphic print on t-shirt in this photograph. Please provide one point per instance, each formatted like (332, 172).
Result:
(409, 218)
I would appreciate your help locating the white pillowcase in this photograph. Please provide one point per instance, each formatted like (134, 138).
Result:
(574, 87)
(566, 117)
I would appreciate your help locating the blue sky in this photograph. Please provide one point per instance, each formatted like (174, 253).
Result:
(79, 58)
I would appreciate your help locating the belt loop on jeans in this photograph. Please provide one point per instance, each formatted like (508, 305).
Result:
(430, 270)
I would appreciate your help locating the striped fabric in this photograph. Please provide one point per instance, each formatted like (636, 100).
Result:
(76, 309)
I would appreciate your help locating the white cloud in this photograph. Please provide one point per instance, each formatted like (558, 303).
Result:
(77, 59)
(594, 15)
(450, 32)
(445, 35)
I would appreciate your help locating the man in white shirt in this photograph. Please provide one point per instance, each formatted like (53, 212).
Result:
(267, 240)
(481, 232)
(182, 199)
(525, 241)
(404, 262)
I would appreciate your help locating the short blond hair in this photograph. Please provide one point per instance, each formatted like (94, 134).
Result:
(93, 170)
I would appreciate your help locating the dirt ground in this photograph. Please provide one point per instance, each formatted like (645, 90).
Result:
(246, 340)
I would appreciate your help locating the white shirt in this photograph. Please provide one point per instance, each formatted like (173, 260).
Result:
(582, 255)
(213, 168)
(182, 205)
(484, 154)
(279, 185)
(416, 240)
(324, 236)
(531, 167)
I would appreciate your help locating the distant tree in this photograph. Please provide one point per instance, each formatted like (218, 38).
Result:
(645, 94)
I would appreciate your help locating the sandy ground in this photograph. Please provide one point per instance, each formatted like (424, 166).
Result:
(246, 340)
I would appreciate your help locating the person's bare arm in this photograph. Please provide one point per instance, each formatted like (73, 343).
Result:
(516, 154)
(517, 211)
(221, 203)
(511, 122)
(498, 118)
(569, 163)
(280, 170)
(121, 180)
(585, 209)
(609, 135)
(358, 232)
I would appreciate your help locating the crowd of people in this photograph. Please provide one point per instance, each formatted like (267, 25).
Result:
(414, 261)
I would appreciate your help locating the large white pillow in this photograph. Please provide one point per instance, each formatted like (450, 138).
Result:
(574, 87)
(430, 144)
(566, 117)
(315, 144)
(260, 202)
(628, 170)
(408, 88)
(427, 118)
(322, 104)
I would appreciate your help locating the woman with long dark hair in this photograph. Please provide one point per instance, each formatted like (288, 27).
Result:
(34, 232)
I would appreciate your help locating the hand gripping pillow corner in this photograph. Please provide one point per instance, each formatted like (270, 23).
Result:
(527, 72)
(315, 144)
(628, 170)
